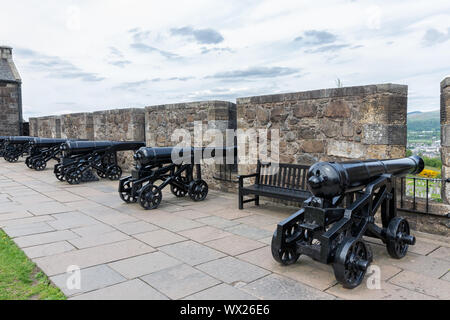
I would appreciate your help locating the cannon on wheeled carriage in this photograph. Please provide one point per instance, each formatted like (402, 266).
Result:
(2, 144)
(332, 222)
(172, 166)
(79, 159)
(43, 150)
(16, 147)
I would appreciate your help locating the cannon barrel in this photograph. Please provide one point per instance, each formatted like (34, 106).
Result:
(163, 155)
(47, 142)
(330, 179)
(82, 147)
(20, 139)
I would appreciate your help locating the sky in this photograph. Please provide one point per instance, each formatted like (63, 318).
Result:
(77, 56)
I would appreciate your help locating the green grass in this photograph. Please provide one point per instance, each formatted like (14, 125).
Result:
(20, 279)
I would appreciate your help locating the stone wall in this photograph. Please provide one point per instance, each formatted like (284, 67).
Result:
(77, 126)
(34, 128)
(47, 127)
(162, 121)
(10, 95)
(120, 125)
(331, 124)
(445, 137)
(10, 110)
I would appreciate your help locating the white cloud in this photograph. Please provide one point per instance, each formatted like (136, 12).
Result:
(93, 55)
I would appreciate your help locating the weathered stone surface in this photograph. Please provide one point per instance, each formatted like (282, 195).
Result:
(129, 290)
(120, 125)
(77, 126)
(180, 281)
(331, 124)
(275, 287)
(10, 95)
(164, 122)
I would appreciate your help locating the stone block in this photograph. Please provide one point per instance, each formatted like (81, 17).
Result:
(180, 281)
(234, 245)
(48, 249)
(191, 252)
(84, 258)
(221, 292)
(141, 265)
(90, 279)
(276, 287)
(129, 290)
(232, 270)
(159, 238)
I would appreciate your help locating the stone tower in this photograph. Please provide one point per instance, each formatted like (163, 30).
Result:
(10, 95)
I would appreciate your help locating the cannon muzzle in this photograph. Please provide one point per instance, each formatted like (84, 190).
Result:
(330, 179)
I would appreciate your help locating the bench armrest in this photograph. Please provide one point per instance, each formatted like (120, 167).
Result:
(242, 177)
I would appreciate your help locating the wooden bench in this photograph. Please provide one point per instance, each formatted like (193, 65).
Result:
(289, 183)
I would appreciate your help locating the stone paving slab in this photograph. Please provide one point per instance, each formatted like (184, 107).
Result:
(159, 238)
(221, 292)
(84, 258)
(231, 270)
(205, 234)
(48, 249)
(191, 252)
(132, 228)
(141, 265)
(423, 284)
(250, 232)
(186, 249)
(99, 239)
(276, 287)
(44, 238)
(234, 245)
(27, 229)
(134, 289)
(90, 279)
(179, 281)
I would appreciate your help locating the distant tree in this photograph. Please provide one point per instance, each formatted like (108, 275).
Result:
(409, 153)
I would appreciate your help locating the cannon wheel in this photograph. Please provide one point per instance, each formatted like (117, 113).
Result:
(286, 255)
(102, 174)
(114, 172)
(126, 194)
(198, 190)
(10, 158)
(397, 229)
(351, 262)
(150, 197)
(73, 176)
(29, 163)
(39, 164)
(58, 172)
(177, 191)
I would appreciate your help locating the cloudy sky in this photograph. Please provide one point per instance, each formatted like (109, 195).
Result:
(85, 55)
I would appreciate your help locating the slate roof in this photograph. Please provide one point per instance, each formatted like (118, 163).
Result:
(6, 73)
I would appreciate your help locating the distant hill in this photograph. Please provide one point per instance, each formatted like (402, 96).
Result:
(424, 121)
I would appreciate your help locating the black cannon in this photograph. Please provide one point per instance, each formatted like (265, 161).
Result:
(172, 166)
(16, 147)
(80, 158)
(2, 144)
(43, 150)
(345, 198)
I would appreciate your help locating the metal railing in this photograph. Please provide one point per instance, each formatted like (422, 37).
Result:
(417, 194)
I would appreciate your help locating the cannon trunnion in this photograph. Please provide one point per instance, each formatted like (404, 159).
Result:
(332, 222)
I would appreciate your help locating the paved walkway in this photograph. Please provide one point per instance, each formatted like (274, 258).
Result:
(185, 250)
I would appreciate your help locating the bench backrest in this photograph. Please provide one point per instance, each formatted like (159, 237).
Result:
(289, 176)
